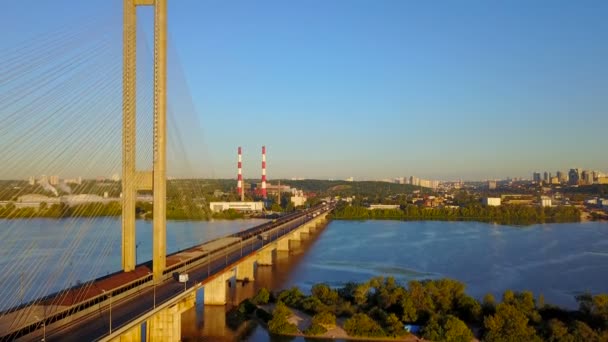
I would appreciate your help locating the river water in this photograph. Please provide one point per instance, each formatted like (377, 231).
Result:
(43, 256)
(557, 260)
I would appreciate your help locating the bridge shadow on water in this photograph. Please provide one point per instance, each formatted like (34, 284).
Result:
(208, 323)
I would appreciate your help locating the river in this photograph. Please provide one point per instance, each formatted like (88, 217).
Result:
(43, 256)
(557, 260)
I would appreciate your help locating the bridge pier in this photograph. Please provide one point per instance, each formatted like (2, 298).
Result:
(245, 270)
(283, 244)
(264, 257)
(132, 335)
(215, 291)
(166, 324)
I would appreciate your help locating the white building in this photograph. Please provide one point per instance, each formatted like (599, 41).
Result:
(298, 197)
(238, 206)
(54, 180)
(545, 201)
(383, 206)
(491, 201)
(298, 200)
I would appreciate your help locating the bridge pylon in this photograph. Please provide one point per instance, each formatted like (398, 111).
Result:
(155, 180)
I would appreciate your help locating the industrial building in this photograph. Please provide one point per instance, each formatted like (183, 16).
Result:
(545, 201)
(491, 201)
(238, 206)
(383, 206)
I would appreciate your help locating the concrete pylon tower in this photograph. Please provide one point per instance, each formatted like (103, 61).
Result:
(264, 172)
(155, 180)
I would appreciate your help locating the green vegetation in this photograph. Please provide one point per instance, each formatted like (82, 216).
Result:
(315, 329)
(506, 214)
(381, 307)
(262, 297)
(362, 325)
(279, 323)
(370, 189)
(447, 328)
(61, 210)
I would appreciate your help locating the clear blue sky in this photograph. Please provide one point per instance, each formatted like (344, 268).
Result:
(375, 89)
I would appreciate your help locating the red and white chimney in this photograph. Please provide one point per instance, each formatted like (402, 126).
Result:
(239, 179)
(264, 172)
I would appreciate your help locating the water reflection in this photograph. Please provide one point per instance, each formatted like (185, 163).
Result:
(557, 260)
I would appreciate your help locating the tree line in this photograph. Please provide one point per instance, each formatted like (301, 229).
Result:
(381, 307)
(505, 214)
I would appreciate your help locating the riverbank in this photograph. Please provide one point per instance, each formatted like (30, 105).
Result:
(303, 320)
(508, 214)
(380, 310)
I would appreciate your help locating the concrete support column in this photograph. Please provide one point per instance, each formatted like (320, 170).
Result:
(245, 269)
(129, 192)
(295, 236)
(283, 244)
(215, 291)
(166, 325)
(133, 335)
(159, 215)
(264, 257)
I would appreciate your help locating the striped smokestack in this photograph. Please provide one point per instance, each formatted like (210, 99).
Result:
(239, 179)
(264, 172)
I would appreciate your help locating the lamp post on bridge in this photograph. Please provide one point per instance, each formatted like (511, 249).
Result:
(43, 328)
(154, 290)
(136, 247)
(110, 296)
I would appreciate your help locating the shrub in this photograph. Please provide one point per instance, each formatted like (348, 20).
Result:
(362, 325)
(262, 297)
(324, 318)
(315, 329)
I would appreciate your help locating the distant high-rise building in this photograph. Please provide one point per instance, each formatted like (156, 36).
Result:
(43, 179)
(350, 179)
(492, 185)
(546, 177)
(563, 177)
(115, 177)
(32, 180)
(587, 177)
(54, 180)
(414, 181)
(536, 177)
(574, 176)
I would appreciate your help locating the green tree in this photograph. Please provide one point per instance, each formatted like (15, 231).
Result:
(262, 297)
(508, 324)
(410, 314)
(582, 332)
(362, 325)
(468, 309)
(279, 323)
(325, 294)
(456, 330)
(447, 328)
(393, 325)
(324, 318)
(488, 306)
(556, 331)
(315, 329)
(291, 297)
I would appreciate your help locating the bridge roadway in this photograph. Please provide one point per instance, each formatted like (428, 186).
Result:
(97, 324)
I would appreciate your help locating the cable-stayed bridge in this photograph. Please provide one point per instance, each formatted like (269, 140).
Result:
(58, 97)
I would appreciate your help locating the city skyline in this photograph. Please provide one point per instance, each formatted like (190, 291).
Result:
(335, 89)
(562, 175)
